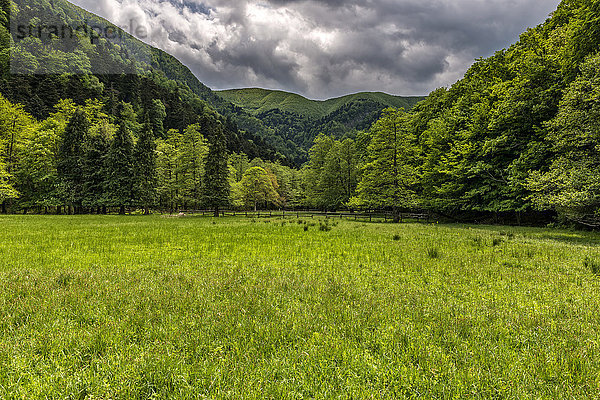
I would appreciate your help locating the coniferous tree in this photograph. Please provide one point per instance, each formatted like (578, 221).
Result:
(69, 166)
(145, 168)
(96, 148)
(215, 184)
(119, 168)
(157, 117)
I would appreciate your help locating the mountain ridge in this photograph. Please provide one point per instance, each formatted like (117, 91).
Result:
(259, 100)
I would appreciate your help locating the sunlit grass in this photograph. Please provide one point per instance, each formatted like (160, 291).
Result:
(151, 307)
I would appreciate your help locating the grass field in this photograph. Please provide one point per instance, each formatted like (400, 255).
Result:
(150, 307)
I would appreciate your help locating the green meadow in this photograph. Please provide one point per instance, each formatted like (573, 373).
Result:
(108, 307)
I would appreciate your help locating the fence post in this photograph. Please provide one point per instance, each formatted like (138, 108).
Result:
(370, 217)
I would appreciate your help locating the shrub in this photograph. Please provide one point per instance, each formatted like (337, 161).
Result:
(324, 227)
(433, 252)
(592, 265)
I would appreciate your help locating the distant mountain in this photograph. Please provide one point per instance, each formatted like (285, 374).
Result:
(257, 101)
(294, 121)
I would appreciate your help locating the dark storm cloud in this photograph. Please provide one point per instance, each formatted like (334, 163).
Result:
(331, 47)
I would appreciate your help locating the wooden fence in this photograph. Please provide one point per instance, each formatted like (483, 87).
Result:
(357, 216)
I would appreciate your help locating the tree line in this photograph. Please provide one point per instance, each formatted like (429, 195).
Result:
(518, 136)
(83, 160)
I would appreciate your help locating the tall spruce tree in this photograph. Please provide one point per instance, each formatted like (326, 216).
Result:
(119, 167)
(215, 185)
(69, 165)
(145, 168)
(157, 117)
(95, 151)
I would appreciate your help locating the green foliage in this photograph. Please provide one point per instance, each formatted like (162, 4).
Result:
(120, 165)
(571, 185)
(168, 168)
(215, 183)
(295, 121)
(94, 159)
(191, 154)
(258, 188)
(331, 175)
(7, 191)
(259, 101)
(158, 114)
(144, 171)
(16, 128)
(390, 175)
(70, 156)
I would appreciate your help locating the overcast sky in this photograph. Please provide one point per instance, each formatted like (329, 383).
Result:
(328, 48)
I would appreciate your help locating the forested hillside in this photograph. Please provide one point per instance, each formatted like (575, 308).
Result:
(89, 123)
(295, 121)
(42, 68)
(259, 101)
(517, 135)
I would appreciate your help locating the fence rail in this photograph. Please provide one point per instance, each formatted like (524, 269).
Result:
(370, 216)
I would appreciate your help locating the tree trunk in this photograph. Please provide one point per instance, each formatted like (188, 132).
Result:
(104, 211)
(216, 211)
(4, 207)
(396, 213)
(146, 210)
(122, 210)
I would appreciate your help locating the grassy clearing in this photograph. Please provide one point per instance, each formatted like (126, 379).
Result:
(151, 307)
